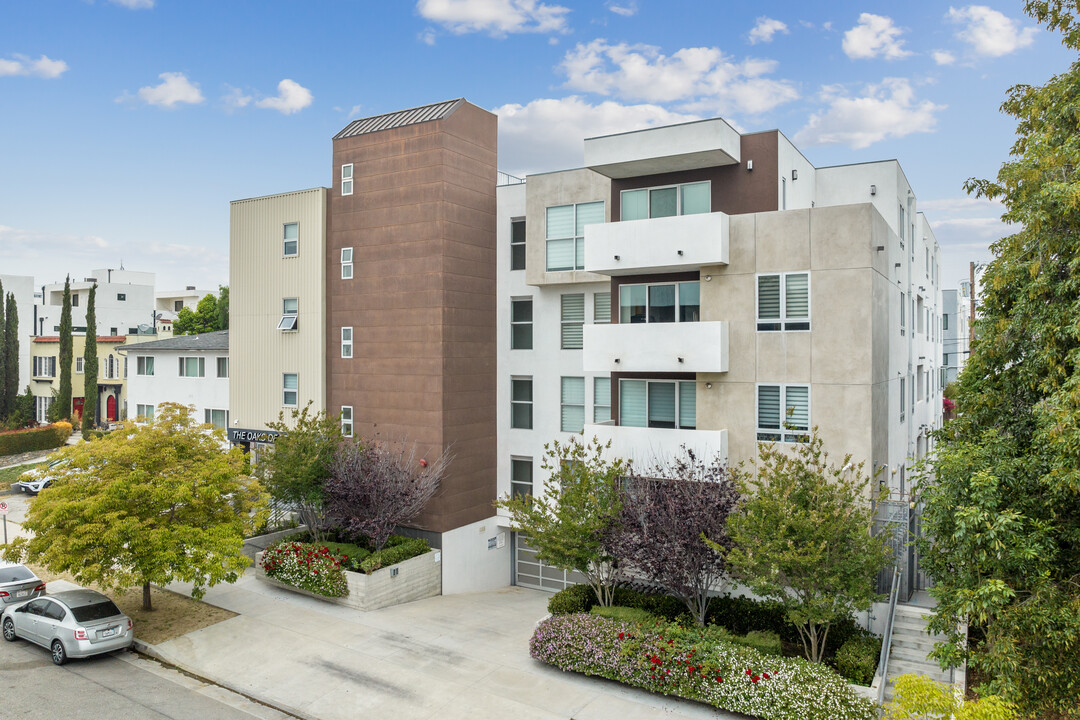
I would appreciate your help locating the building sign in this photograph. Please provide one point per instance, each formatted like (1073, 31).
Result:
(238, 435)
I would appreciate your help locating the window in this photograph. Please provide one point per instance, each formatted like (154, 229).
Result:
(521, 403)
(192, 367)
(783, 193)
(346, 342)
(903, 224)
(945, 321)
(602, 307)
(45, 366)
(112, 331)
(121, 297)
(566, 234)
(903, 305)
(573, 319)
(926, 268)
(670, 302)
(789, 422)
(346, 420)
(112, 368)
(601, 399)
(903, 398)
(79, 362)
(74, 300)
(521, 329)
(517, 244)
(290, 309)
(573, 404)
(177, 304)
(346, 179)
(658, 404)
(688, 199)
(346, 263)
(223, 367)
(784, 301)
(41, 408)
(144, 366)
(291, 247)
(290, 387)
(521, 480)
(217, 418)
(145, 411)
(125, 366)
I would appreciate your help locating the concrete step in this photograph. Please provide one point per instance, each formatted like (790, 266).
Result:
(905, 654)
(903, 667)
(924, 643)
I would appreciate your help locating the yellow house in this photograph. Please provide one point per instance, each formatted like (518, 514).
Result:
(112, 374)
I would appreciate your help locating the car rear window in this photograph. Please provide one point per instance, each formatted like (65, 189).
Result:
(15, 573)
(97, 611)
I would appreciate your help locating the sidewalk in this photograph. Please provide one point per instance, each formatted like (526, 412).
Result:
(448, 657)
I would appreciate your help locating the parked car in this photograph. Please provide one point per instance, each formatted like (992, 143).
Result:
(71, 624)
(18, 583)
(34, 481)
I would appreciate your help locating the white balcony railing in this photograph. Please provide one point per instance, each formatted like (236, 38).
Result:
(671, 244)
(646, 446)
(691, 347)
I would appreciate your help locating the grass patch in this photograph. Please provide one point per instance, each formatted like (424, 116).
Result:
(9, 475)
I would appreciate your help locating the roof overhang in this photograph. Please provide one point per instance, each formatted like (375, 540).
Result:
(690, 146)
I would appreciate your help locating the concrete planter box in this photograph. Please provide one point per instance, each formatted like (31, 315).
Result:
(414, 579)
(255, 545)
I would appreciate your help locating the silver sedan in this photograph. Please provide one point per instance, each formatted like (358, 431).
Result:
(71, 624)
(18, 584)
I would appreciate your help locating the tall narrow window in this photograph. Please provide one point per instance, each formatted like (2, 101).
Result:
(903, 306)
(346, 342)
(223, 367)
(144, 365)
(290, 312)
(521, 328)
(346, 263)
(79, 365)
(903, 226)
(346, 179)
(566, 234)
(903, 399)
(573, 319)
(945, 321)
(573, 404)
(602, 307)
(784, 301)
(521, 403)
(521, 477)
(291, 243)
(346, 421)
(517, 244)
(783, 193)
(601, 399)
(290, 389)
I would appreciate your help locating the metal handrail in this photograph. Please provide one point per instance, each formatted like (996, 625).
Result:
(886, 639)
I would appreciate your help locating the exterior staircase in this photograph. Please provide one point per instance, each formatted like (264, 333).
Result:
(910, 645)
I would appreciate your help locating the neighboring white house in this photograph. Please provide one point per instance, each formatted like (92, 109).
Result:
(124, 301)
(955, 330)
(188, 369)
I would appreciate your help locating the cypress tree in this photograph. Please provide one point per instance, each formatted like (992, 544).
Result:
(63, 396)
(11, 351)
(90, 366)
(4, 409)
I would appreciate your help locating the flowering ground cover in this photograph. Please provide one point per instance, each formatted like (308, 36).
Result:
(685, 662)
(307, 566)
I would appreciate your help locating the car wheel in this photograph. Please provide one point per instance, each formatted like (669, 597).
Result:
(9, 630)
(59, 656)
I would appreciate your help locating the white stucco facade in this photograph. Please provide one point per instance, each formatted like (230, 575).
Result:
(154, 376)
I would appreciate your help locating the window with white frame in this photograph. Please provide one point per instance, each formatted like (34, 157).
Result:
(601, 399)
(521, 403)
(521, 477)
(145, 411)
(602, 307)
(346, 342)
(217, 418)
(223, 367)
(290, 389)
(521, 324)
(346, 421)
(572, 402)
(656, 202)
(573, 320)
(291, 240)
(79, 363)
(112, 367)
(192, 367)
(903, 400)
(41, 408)
(346, 179)
(903, 304)
(517, 244)
(903, 225)
(660, 303)
(787, 420)
(658, 403)
(45, 366)
(783, 301)
(144, 365)
(566, 234)
(290, 314)
(346, 263)
(783, 193)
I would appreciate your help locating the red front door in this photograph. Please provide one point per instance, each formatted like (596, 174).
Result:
(111, 408)
(77, 408)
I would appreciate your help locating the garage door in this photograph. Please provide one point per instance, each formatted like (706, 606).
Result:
(531, 572)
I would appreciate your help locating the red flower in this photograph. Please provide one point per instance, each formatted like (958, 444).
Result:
(692, 668)
(765, 675)
(719, 679)
(620, 636)
(754, 679)
(748, 672)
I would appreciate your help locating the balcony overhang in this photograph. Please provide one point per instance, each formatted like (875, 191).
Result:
(645, 447)
(689, 146)
(659, 245)
(656, 347)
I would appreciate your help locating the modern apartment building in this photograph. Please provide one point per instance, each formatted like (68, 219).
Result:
(191, 370)
(124, 300)
(955, 331)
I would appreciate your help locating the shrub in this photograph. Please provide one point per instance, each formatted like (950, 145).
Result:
(44, 438)
(764, 641)
(574, 599)
(857, 659)
(618, 612)
(388, 556)
(306, 566)
(687, 663)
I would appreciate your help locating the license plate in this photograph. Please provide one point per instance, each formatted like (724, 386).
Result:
(22, 593)
(109, 633)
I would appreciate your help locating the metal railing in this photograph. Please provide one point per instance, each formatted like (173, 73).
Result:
(886, 639)
(505, 178)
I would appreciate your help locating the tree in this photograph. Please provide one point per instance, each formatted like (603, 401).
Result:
(296, 467)
(223, 307)
(665, 516)
(21, 413)
(204, 319)
(1002, 496)
(570, 524)
(11, 350)
(90, 366)
(917, 697)
(375, 486)
(802, 536)
(63, 395)
(146, 504)
(3, 357)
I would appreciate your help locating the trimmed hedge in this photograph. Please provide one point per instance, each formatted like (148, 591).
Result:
(14, 442)
(857, 659)
(617, 612)
(391, 555)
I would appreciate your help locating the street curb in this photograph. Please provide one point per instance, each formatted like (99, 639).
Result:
(149, 650)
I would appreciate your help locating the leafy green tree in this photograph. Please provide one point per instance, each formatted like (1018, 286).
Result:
(223, 308)
(3, 357)
(802, 536)
(90, 366)
(11, 350)
(917, 697)
(295, 469)
(63, 395)
(204, 319)
(146, 504)
(22, 412)
(1002, 497)
(571, 525)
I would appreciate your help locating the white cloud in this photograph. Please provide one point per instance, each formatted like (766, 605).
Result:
(874, 35)
(988, 31)
(626, 9)
(547, 134)
(174, 88)
(291, 98)
(356, 111)
(943, 57)
(703, 79)
(886, 110)
(765, 29)
(43, 67)
(235, 99)
(134, 4)
(496, 17)
(427, 37)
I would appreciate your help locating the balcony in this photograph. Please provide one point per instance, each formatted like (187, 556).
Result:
(690, 347)
(644, 446)
(679, 243)
(689, 146)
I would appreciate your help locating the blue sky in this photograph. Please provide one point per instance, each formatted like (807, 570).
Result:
(127, 126)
